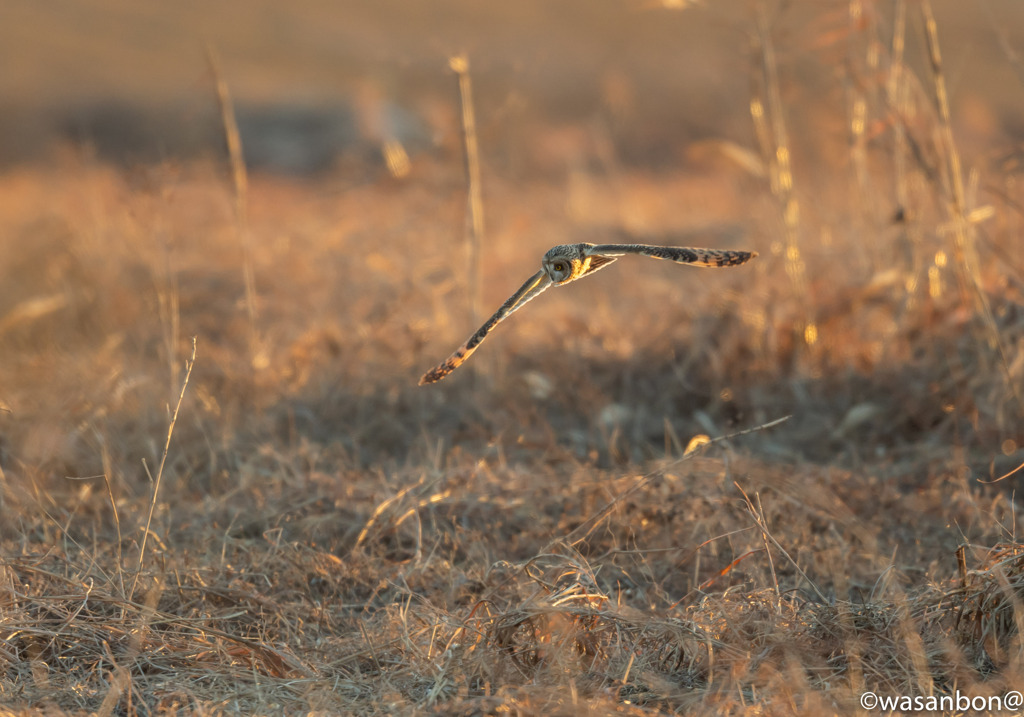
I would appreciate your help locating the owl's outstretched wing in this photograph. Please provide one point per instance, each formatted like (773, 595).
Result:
(683, 255)
(533, 287)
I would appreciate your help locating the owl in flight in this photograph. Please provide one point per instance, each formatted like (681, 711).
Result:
(568, 262)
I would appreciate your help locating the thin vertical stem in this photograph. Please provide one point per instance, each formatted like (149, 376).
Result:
(240, 178)
(160, 471)
(475, 204)
(770, 125)
(963, 248)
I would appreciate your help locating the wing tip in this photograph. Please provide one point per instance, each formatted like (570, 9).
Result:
(436, 374)
(429, 377)
(740, 257)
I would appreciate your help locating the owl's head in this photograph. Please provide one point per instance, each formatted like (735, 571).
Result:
(563, 263)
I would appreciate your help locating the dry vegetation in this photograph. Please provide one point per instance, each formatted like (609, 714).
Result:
(528, 536)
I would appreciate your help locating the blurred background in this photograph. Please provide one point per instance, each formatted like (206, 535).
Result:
(319, 81)
(338, 271)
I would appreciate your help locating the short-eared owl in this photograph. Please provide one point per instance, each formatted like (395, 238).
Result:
(568, 262)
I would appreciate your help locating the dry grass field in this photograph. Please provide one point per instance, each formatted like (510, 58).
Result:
(223, 492)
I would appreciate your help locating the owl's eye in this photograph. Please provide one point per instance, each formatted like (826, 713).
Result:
(559, 267)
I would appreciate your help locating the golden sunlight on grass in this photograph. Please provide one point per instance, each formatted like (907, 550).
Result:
(771, 489)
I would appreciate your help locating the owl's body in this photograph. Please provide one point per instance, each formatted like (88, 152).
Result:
(569, 262)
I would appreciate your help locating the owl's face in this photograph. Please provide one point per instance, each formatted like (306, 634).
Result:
(564, 263)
